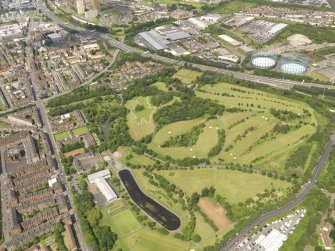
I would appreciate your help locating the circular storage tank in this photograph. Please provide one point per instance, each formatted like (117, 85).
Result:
(293, 64)
(263, 59)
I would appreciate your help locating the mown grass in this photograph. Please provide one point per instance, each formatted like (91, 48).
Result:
(140, 123)
(186, 76)
(80, 131)
(270, 153)
(61, 136)
(236, 186)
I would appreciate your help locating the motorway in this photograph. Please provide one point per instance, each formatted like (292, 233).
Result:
(274, 82)
(278, 83)
(231, 244)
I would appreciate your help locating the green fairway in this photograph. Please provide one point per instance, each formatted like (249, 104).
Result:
(249, 134)
(234, 185)
(161, 86)
(186, 76)
(80, 131)
(140, 123)
(61, 136)
(125, 222)
(205, 142)
(148, 240)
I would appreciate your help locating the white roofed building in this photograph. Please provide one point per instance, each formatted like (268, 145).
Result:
(230, 40)
(273, 241)
(101, 174)
(99, 179)
(277, 28)
(105, 189)
(198, 23)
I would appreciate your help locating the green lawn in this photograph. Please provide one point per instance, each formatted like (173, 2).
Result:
(148, 240)
(124, 222)
(80, 131)
(140, 123)
(207, 139)
(161, 86)
(202, 228)
(236, 186)
(170, 2)
(268, 153)
(318, 76)
(318, 35)
(186, 76)
(2, 123)
(234, 6)
(61, 136)
(115, 207)
(160, 195)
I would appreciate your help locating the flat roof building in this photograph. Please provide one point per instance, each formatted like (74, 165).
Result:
(154, 39)
(198, 23)
(101, 174)
(105, 189)
(230, 40)
(273, 241)
(98, 178)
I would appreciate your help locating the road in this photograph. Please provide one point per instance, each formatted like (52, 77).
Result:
(88, 81)
(279, 83)
(289, 206)
(48, 131)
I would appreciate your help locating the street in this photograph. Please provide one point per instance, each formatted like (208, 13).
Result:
(231, 244)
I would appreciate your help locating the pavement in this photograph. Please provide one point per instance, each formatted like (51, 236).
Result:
(232, 243)
(48, 131)
(285, 226)
(278, 83)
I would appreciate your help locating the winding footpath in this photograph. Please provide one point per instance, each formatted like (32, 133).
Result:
(277, 83)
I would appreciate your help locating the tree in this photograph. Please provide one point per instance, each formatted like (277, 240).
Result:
(332, 234)
(196, 238)
(139, 107)
(94, 216)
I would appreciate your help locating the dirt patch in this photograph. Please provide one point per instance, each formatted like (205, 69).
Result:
(215, 212)
(74, 152)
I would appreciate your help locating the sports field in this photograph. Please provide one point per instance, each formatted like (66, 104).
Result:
(125, 222)
(115, 207)
(148, 240)
(234, 185)
(140, 123)
(80, 131)
(61, 136)
(186, 76)
(215, 212)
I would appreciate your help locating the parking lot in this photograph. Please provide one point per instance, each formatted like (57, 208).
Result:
(272, 235)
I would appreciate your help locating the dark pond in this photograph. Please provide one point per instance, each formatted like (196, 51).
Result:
(166, 218)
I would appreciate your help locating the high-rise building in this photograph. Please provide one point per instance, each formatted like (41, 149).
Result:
(80, 7)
